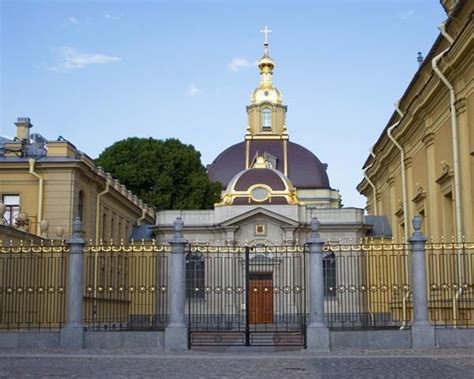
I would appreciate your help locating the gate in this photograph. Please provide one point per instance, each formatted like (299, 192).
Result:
(247, 296)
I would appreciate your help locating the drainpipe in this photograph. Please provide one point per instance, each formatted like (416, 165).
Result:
(402, 161)
(457, 177)
(97, 209)
(40, 194)
(96, 256)
(142, 216)
(454, 132)
(370, 181)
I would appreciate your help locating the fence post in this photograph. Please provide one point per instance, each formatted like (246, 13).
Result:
(176, 333)
(422, 333)
(72, 335)
(317, 333)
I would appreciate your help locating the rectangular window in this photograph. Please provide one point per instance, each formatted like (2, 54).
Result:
(12, 203)
(329, 275)
(195, 276)
(260, 229)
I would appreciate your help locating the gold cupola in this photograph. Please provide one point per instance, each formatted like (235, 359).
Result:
(266, 112)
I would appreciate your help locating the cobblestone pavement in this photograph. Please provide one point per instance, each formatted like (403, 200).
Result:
(344, 363)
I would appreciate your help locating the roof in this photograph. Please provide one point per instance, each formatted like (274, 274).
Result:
(379, 226)
(305, 170)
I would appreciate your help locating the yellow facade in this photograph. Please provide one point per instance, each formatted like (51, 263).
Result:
(431, 175)
(57, 184)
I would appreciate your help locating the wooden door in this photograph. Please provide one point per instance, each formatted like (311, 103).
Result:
(261, 299)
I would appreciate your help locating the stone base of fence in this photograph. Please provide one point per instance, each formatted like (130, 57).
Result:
(176, 338)
(72, 337)
(422, 336)
(367, 339)
(317, 338)
(97, 340)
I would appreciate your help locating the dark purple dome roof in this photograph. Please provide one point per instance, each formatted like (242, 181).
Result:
(305, 170)
(260, 176)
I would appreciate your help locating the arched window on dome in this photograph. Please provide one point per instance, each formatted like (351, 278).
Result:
(266, 119)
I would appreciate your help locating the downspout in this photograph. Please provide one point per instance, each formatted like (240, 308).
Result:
(96, 256)
(370, 181)
(402, 162)
(97, 209)
(457, 177)
(40, 195)
(454, 132)
(142, 216)
(405, 209)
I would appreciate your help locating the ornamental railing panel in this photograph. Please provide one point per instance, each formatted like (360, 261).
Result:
(33, 286)
(126, 286)
(367, 286)
(451, 284)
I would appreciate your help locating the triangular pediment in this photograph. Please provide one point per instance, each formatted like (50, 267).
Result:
(258, 212)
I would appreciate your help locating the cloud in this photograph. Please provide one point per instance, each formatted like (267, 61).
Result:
(193, 90)
(71, 59)
(406, 15)
(238, 63)
(73, 20)
(109, 16)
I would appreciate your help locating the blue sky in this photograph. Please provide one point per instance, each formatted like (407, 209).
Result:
(99, 71)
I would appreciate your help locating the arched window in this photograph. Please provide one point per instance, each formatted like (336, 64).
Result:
(329, 275)
(195, 276)
(80, 205)
(266, 119)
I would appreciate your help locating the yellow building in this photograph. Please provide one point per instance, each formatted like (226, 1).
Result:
(45, 184)
(422, 163)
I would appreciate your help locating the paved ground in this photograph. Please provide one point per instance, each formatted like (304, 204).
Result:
(345, 363)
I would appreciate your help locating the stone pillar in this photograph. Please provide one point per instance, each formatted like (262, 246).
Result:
(72, 335)
(317, 333)
(176, 333)
(422, 332)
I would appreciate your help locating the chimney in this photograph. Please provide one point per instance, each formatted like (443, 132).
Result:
(23, 126)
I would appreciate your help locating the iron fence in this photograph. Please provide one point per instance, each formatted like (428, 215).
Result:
(33, 286)
(451, 284)
(367, 286)
(126, 286)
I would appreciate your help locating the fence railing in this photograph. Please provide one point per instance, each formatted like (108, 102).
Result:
(126, 287)
(367, 285)
(33, 286)
(451, 284)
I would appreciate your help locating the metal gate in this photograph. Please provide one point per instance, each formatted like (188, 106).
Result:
(247, 296)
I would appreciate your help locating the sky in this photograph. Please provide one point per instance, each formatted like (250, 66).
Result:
(95, 72)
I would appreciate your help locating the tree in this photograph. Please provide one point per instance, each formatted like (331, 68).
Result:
(165, 174)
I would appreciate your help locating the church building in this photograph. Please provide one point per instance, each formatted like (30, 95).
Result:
(271, 187)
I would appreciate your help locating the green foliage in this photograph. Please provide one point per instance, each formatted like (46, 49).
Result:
(165, 174)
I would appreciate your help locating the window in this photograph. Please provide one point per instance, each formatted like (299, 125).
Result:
(329, 275)
(266, 119)
(260, 229)
(195, 276)
(12, 203)
(80, 205)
